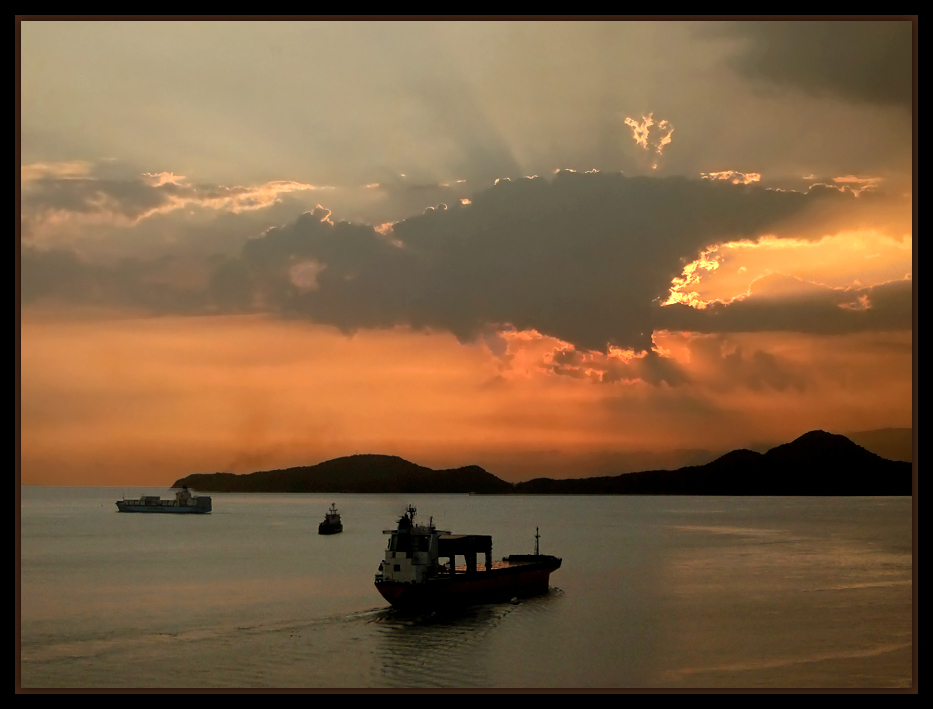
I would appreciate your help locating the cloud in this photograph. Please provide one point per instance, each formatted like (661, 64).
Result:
(726, 271)
(586, 258)
(784, 303)
(61, 170)
(183, 284)
(107, 211)
(864, 183)
(650, 367)
(583, 258)
(736, 178)
(856, 61)
(721, 365)
(641, 132)
(64, 195)
(714, 363)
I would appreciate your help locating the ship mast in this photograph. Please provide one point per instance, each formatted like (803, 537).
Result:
(537, 537)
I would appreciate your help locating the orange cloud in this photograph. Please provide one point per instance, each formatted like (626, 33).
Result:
(866, 183)
(233, 199)
(665, 139)
(640, 130)
(530, 354)
(641, 133)
(59, 170)
(691, 277)
(724, 272)
(164, 178)
(245, 393)
(736, 178)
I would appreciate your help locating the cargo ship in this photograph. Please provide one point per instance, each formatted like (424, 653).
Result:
(331, 523)
(184, 503)
(412, 576)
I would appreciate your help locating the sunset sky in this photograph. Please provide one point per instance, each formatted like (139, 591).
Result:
(546, 248)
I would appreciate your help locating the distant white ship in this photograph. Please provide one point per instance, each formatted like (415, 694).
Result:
(184, 503)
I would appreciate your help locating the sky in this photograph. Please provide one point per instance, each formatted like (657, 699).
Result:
(556, 248)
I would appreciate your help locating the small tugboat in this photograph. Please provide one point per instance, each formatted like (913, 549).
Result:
(411, 576)
(184, 503)
(331, 523)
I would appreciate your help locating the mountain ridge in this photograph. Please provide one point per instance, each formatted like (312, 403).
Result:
(816, 463)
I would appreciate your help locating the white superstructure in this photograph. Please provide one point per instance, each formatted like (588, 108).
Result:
(413, 551)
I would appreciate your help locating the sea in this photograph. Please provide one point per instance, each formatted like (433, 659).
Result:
(654, 592)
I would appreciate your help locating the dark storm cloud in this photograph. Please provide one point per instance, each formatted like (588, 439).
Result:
(583, 257)
(579, 258)
(858, 61)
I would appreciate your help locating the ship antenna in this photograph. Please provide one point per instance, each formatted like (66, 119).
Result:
(537, 537)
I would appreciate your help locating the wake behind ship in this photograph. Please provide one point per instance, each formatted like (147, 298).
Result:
(412, 577)
(184, 503)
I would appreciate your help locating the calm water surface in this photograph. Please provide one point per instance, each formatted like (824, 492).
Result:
(654, 592)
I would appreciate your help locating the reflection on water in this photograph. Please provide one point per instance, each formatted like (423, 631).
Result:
(788, 662)
(782, 608)
(764, 592)
(435, 650)
(450, 648)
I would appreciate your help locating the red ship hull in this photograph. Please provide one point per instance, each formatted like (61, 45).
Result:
(522, 579)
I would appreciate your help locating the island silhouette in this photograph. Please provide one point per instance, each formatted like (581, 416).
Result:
(816, 463)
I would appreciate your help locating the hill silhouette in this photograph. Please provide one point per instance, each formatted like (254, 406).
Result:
(817, 463)
(355, 473)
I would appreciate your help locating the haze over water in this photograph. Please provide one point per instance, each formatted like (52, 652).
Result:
(653, 592)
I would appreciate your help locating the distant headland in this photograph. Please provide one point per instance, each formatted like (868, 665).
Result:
(817, 463)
